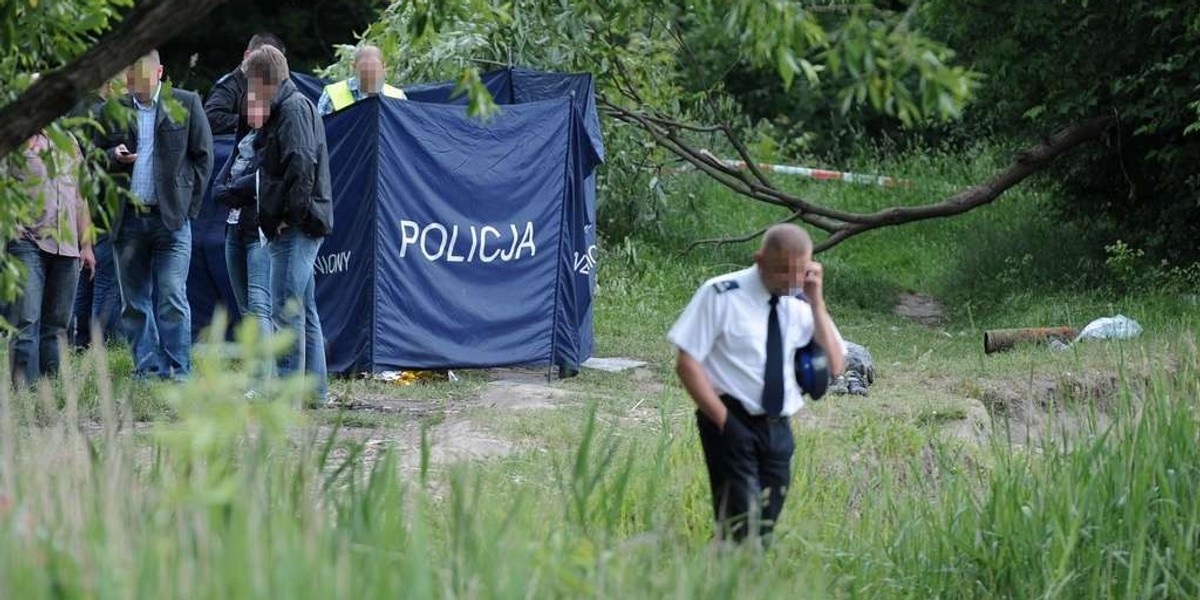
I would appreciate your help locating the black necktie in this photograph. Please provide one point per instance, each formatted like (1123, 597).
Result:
(772, 398)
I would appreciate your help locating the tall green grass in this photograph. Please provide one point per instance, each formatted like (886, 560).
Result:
(243, 500)
(1114, 515)
(240, 499)
(114, 490)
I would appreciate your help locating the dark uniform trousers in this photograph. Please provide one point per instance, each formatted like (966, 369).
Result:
(749, 468)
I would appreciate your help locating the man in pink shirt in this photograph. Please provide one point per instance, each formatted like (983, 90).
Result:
(51, 248)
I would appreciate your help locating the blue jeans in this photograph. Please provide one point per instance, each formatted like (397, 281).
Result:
(41, 313)
(249, 265)
(294, 303)
(152, 258)
(98, 301)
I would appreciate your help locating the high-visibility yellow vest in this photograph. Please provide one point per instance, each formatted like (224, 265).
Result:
(340, 95)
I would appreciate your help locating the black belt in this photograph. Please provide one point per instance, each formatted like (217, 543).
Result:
(737, 407)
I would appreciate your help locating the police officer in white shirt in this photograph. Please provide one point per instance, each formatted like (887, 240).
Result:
(736, 341)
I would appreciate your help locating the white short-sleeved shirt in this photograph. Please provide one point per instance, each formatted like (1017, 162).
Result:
(724, 328)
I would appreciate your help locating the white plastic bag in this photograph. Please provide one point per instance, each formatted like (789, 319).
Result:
(1119, 327)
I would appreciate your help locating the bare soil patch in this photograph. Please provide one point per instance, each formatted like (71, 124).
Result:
(450, 433)
(1049, 409)
(921, 308)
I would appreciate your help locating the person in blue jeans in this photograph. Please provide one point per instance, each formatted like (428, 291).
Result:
(51, 249)
(246, 255)
(295, 205)
(167, 161)
(98, 302)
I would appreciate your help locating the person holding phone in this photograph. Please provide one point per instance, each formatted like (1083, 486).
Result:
(735, 344)
(165, 158)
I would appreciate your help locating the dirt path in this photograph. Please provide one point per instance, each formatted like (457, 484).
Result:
(449, 430)
(921, 308)
(1030, 412)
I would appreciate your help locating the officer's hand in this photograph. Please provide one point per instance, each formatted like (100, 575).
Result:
(722, 420)
(814, 282)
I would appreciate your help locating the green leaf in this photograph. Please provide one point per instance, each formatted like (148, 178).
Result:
(787, 66)
(812, 72)
(479, 100)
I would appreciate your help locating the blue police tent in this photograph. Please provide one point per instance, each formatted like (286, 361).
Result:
(459, 242)
(308, 85)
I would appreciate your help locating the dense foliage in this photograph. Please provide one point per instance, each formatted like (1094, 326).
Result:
(670, 58)
(1047, 64)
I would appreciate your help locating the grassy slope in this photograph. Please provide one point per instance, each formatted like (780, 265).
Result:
(885, 503)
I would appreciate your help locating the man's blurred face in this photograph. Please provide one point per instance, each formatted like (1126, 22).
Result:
(783, 271)
(369, 69)
(143, 77)
(259, 95)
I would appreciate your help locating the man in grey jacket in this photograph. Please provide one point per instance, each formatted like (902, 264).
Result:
(165, 156)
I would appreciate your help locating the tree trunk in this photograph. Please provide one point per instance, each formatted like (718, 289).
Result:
(148, 25)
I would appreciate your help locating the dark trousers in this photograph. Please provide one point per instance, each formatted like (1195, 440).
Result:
(749, 468)
(98, 299)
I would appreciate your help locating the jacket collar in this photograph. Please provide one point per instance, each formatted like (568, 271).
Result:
(286, 90)
(160, 116)
(153, 100)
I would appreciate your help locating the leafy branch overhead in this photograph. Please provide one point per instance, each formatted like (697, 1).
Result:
(74, 47)
(89, 57)
(869, 53)
(885, 63)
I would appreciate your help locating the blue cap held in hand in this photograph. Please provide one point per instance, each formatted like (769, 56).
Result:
(812, 370)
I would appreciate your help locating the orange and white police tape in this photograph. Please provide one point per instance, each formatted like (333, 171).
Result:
(818, 174)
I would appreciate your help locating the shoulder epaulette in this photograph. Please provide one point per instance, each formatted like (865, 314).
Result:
(725, 286)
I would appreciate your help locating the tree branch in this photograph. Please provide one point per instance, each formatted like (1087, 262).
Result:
(673, 124)
(718, 242)
(842, 225)
(671, 142)
(745, 154)
(664, 129)
(1026, 163)
(148, 25)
